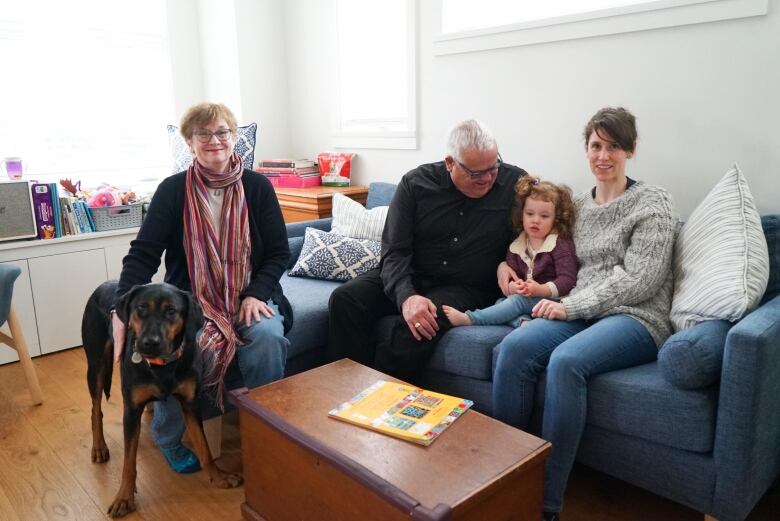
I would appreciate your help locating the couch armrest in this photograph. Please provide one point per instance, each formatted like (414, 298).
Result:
(299, 229)
(747, 435)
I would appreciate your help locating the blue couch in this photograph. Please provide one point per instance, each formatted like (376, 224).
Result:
(715, 449)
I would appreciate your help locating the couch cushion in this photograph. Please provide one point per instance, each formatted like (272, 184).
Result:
(330, 256)
(309, 300)
(468, 351)
(721, 265)
(352, 219)
(771, 225)
(244, 147)
(639, 402)
(692, 358)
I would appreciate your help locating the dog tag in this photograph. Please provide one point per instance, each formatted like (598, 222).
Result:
(136, 358)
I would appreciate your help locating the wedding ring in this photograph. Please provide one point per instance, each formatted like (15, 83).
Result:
(417, 325)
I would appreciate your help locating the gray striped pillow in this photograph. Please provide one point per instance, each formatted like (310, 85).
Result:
(351, 219)
(721, 261)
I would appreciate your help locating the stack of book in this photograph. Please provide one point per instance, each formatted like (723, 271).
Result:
(290, 173)
(57, 215)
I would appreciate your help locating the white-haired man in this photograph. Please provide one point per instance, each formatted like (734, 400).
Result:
(447, 229)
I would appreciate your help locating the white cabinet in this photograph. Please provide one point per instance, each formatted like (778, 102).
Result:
(23, 304)
(61, 286)
(58, 275)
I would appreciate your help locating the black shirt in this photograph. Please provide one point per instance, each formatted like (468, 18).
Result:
(435, 235)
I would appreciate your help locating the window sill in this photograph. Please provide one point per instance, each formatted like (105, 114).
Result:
(609, 21)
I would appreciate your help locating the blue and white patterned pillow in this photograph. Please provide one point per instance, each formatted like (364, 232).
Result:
(330, 256)
(245, 147)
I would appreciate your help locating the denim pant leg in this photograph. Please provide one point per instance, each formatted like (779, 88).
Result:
(261, 360)
(523, 355)
(167, 423)
(504, 311)
(262, 357)
(611, 343)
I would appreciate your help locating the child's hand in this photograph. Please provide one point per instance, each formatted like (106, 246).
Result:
(534, 289)
(516, 287)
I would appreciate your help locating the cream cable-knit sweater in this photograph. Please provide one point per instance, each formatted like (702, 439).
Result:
(625, 253)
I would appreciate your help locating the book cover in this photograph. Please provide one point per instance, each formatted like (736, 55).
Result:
(403, 411)
(44, 211)
(88, 212)
(295, 181)
(55, 202)
(287, 163)
(308, 170)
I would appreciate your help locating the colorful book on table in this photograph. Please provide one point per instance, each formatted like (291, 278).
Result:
(403, 411)
(287, 163)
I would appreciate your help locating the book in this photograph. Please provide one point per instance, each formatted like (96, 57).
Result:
(58, 216)
(403, 411)
(286, 163)
(272, 171)
(44, 210)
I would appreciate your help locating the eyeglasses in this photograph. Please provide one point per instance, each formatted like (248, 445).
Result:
(493, 170)
(204, 136)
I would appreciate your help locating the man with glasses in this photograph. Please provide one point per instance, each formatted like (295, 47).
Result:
(447, 230)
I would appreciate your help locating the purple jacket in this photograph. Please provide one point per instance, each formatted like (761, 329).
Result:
(558, 266)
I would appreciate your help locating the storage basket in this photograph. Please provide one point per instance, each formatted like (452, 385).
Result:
(116, 217)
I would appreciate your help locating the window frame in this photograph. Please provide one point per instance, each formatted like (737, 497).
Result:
(652, 14)
(384, 139)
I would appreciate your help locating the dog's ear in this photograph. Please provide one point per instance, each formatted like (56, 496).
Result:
(123, 304)
(194, 318)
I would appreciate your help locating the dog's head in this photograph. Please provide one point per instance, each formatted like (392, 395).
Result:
(160, 317)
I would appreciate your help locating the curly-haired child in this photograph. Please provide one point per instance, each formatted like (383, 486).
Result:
(542, 256)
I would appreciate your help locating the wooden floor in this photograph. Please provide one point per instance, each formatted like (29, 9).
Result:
(46, 473)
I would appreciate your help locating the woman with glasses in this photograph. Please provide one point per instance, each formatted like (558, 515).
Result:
(616, 316)
(224, 239)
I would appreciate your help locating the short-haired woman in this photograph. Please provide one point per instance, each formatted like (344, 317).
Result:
(616, 316)
(224, 239)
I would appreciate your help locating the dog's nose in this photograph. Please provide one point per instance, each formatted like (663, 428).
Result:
(151, 342)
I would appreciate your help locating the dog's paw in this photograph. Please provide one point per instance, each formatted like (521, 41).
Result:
(100, 454)
(121, 506)
(228, 480)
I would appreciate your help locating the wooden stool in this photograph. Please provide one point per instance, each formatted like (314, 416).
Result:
(8, 275)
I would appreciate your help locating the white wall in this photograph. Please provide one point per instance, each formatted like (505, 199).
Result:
(233, 52)
(704, 95)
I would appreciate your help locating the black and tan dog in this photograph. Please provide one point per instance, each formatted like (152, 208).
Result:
(160, 358)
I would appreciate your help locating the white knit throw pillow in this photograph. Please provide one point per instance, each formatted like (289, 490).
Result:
(721, 260)
(351, 219)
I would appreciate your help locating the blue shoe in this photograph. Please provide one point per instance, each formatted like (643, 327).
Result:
(181, 459)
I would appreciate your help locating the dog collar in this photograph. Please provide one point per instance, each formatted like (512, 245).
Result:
(159, 360)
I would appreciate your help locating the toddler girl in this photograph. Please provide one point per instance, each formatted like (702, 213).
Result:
(542, 256)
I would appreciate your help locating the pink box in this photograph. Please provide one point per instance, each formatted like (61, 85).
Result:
(294, 181)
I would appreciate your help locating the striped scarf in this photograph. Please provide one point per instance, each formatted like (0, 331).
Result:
(219, 267)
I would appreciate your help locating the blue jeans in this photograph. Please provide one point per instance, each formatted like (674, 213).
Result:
(511, 311)
(571, 352)
(261, 360)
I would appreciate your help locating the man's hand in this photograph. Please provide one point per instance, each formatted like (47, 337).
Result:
(118, 328)
(251, 309)
(549, 309)
(506, 275)
(518, 287)
(420, 316)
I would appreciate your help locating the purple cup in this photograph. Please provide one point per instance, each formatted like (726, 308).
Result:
(14, 167)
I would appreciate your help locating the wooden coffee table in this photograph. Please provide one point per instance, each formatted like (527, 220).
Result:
(300, 464)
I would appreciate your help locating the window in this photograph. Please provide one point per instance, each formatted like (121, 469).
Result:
(473, 26)
(376, 94)
(86, 90)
